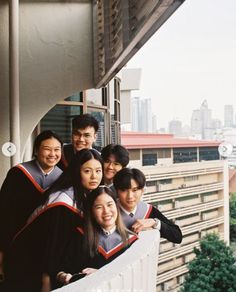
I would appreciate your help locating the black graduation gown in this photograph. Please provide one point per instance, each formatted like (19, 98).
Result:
(110, 247)
(40, 247)
(168, 230)
(68, 154)
(21, 192)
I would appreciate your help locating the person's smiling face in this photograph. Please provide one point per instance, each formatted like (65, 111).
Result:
(83, 138)
(129, 198)
(105, 211)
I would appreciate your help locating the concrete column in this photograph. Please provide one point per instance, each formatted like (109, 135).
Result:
(14, 78)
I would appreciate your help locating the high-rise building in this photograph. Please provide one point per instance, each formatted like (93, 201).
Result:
(135, 114)
(196, 123)
(175, 127)
(145, 115)
(141, 114)
(193, 194)
(201, 122)
(228, 115)
(154, 123)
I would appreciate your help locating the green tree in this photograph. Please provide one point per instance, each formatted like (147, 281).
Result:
(213, 269)
(233, 217)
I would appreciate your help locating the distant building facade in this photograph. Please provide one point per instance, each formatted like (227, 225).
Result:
(175, 127)
(141, 114)
(228, 115)
(189, 184)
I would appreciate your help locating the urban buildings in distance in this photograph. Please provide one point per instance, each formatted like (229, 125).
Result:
(189, 184)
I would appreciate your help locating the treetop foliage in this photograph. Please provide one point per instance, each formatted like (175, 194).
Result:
(213, 269)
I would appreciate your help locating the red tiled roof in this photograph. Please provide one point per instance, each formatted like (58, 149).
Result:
(135, 140)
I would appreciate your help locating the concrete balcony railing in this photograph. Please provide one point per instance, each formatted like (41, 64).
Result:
(134, 270)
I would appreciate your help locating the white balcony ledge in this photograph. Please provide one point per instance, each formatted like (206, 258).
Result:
(134, 270)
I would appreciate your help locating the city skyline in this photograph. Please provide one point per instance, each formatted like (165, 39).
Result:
(190, 59)
(221, 123)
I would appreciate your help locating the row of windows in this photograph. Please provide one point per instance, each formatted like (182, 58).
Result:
(180, 155)
(95, 102)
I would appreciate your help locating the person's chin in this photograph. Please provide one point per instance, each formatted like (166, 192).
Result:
(80, 148)
(93, 186)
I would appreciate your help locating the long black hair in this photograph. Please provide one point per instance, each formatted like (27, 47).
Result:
(92, 229)
(71, 177)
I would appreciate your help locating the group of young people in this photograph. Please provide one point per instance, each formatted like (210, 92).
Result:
(71, 210)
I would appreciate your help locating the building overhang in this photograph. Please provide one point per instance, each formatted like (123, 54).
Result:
(121, 28)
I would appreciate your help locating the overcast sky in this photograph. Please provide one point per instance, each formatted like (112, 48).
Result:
(192, 57)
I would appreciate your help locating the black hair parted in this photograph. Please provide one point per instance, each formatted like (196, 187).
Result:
(122, 180)
(71, 177)
(85, 120)
(96, 193)
(120, 152)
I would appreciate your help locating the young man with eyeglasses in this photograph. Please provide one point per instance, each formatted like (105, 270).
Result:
(115, 157)
(84, 134)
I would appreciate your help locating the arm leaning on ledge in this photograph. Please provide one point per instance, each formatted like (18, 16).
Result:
(125, 270)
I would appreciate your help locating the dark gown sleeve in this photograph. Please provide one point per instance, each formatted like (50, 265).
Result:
(18, 198)
(169, 230)
(41, 247)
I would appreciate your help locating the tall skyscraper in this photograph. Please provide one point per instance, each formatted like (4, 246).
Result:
(145, 118)
(206, 118)
(228, 115)
(141, 115)
(196, 123)
(175, 127)
(154, 123)
(135, 113)
(201, 121)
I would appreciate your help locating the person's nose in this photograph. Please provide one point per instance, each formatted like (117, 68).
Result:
(52, 152)
(81, 137)
(130, 193)
(105, 210)
(94, 174)
(110, 165)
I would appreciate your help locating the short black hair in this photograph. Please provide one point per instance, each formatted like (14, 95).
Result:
(85, 120)
(122, 179)
(44, 135)
(120, 152)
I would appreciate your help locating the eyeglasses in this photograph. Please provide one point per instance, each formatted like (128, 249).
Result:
(86, 136)
(113, 163)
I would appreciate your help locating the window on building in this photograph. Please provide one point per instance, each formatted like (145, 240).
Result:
(164, 153)
(208, 153)
(58, 119)
(185, 155)
(150, 183)
(95, 102)
(165, 181)
(134, 154)
(191, 178)
(149, 159)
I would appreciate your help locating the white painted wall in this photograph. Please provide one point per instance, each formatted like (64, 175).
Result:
(56, 60)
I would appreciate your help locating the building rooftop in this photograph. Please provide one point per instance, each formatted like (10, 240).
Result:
(136, 140)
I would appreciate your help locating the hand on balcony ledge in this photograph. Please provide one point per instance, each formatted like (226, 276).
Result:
(143, 224)
(88, 271)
